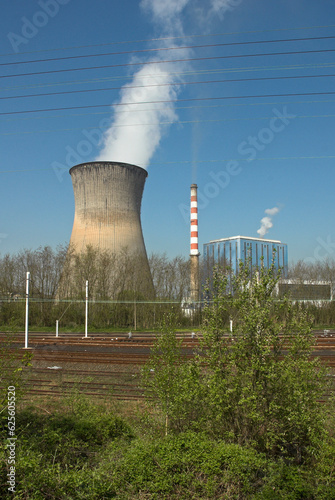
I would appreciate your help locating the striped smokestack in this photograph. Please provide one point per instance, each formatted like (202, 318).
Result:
(194, 221)
(194, 248)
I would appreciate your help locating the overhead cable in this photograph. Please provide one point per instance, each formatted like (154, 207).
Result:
(168, 61)
(164, 49)
(293, 94)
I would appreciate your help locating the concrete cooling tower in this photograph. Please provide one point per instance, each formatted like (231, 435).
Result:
(108, 198)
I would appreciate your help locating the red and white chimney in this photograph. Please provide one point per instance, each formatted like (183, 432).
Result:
(194, 221)
(194, 246)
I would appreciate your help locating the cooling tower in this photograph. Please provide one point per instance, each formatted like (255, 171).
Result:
(108, 199)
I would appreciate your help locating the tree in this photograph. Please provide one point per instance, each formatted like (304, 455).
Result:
(170, 276)
(256, 386)
(172, 383)
(263, 386)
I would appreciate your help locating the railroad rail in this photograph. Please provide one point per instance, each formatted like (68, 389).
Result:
(107, 365)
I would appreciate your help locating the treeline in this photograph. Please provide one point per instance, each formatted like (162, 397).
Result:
(120, 294)
(313, 271)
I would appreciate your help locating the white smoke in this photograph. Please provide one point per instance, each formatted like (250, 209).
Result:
(145, 112)
(221, 6)
(166, 14)
(266, 222)
(134, 136)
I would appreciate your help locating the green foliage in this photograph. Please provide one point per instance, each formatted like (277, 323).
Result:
(56, 452)
(243, 418)
(189, 465)
(12, 362)
(257, 386)
(263, 388)
(83, 451)
(171, 382)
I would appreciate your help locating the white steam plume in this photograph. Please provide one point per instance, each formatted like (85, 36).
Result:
(220, 7)
(137, 131)
(166, 14)
(144, 113)
(266, 222)
(148, 109)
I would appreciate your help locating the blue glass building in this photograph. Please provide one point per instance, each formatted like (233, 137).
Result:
(230, 251)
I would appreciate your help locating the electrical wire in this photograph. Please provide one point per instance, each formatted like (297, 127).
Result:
(180, 37)
(164, 49)
(180, 122)
(117, 112)
(175, 73)
(169, 61)
(293, 94)
(190, 162)
(235, 80)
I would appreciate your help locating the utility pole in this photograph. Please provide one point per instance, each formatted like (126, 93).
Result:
(27, 310)
(86, 309)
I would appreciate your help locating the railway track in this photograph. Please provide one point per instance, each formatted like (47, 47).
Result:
(107, 365)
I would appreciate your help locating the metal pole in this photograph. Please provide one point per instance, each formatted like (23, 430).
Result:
(56, 327)
(27, 310)
(86, 309)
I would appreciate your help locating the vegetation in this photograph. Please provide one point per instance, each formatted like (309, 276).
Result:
(259, 387)
(171, 383)
(240, 420)
(118, 297)
(263, 388)
(11, 368)
(85, 451)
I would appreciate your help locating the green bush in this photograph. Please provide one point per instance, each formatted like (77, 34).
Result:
(57, 454)
(65, 456)
(189, 465)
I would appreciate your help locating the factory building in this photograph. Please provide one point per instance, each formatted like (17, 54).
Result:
(231, 251)
(305, 290)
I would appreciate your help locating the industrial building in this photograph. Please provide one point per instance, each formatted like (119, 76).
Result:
(305, 290)
(231, 251)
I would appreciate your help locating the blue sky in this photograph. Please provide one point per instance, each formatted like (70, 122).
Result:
(247, 154)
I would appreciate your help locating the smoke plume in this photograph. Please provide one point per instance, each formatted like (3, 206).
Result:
(266, 222)
(147, 102)
(146, 108)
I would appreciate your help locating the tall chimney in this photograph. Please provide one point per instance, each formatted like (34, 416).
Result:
(194, 247)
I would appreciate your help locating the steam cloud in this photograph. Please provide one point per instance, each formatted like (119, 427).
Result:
(266, 222)
(145, 109)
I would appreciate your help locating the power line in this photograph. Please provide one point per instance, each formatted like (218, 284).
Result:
(216, 105)
(293, 94)
(164, 49)
(179, 122)
(235, 80)
(168, 61)
(188, 162)
(180, 37)
(246, 69)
